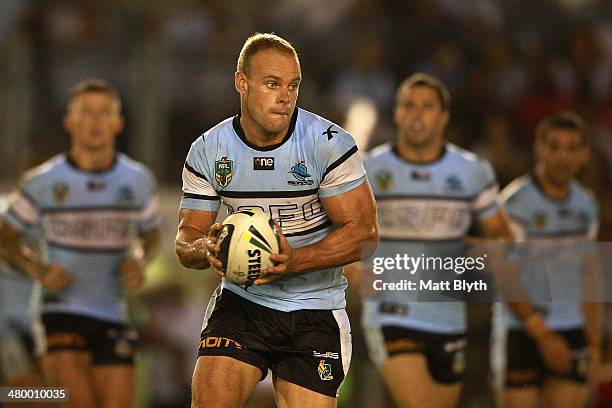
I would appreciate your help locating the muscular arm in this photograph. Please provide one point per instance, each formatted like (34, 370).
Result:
(354, 213)
(19, 256)
(190, 243)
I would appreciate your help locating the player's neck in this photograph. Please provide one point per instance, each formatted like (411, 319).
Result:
(257, 135)
(420, 154)
(552, 189)
(92, 160)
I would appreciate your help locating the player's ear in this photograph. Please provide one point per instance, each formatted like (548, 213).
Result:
(240, 82)
(68, 123)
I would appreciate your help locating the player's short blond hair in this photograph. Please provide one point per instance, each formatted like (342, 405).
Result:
(566, 120)
(260, 42)
(422, 79)
(93, 86)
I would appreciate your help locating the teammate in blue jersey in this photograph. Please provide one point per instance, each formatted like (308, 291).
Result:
(542, 346)
(97, 212)
(306, 172)
(428, 192)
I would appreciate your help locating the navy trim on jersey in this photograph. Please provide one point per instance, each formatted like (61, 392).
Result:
(18, 217)
(74, 165)
(200, 197)
(341, 160)
(89, 209)
(268, 194)
(326, 224)
(422, 197)
(195, 172)
(28, 197)
(396, 152)
(240, 132)
(85, 249)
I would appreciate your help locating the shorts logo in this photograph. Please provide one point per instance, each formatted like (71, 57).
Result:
(299, 171)
(327, 354)
(459, 362)
(123, 348)
(220, 342)
(223, 171)
(325, 371)
(60, 192)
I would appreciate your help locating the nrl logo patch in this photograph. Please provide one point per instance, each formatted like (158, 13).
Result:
(384, 180)
(223, 171)
(60, 192)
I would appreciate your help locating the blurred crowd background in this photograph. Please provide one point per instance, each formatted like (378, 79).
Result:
(507, 63)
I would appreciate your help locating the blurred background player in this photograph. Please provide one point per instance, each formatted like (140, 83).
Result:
(427, 191)
(97, 211)
(313, 182)
(543, 346)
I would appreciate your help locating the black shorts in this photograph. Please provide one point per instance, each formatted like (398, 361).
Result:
(525, 367)
(310, 348)
(445, 353)
(108, 342)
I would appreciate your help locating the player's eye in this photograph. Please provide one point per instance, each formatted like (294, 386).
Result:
(271, 84)
(294, 86)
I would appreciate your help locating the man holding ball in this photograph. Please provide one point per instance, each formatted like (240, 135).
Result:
(307, 174)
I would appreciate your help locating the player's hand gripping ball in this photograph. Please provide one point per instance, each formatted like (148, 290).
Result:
(246, 241)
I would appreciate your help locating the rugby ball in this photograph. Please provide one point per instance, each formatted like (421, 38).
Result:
(246, 241)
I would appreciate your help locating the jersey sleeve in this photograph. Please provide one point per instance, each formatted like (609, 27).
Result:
(510, 200)
(340, 163)
(485, 203)
(23, 210)
(593, 230)
(149, 217)
(198, 192)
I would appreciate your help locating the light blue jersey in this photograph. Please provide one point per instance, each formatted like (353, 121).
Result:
(316, 159)
(426, 209)
(552, 230)
(88, 220)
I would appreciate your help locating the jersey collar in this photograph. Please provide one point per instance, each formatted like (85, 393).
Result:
(396, 152)
(73, 164)
(240, 132)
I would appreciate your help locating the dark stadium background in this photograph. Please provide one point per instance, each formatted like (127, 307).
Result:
(507, 63)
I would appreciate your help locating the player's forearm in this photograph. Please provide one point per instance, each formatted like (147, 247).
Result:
(24, 260)
(532, 320)
(190, 247)
(593, 322)
(349, 243)
(151, 241)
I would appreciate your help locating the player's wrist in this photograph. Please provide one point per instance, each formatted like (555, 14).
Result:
(536, 326)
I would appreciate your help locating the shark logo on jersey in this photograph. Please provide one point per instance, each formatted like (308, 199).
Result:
(126, 195)
(223, 171)
(454, 183)
(60, 192)
(384, 180)
(300, 173)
